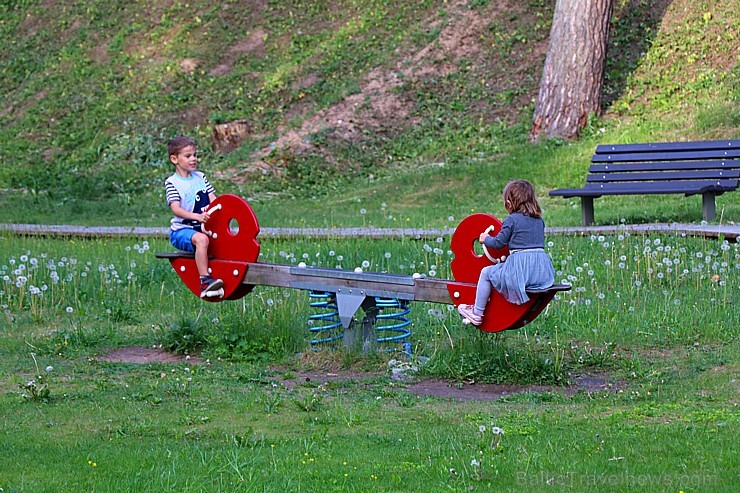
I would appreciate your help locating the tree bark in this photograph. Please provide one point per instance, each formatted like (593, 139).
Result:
(573, 74)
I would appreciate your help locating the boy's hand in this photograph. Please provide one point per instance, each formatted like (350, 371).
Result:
(203, 217)
(483, 236)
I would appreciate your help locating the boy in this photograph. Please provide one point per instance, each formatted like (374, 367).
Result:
(188, 193)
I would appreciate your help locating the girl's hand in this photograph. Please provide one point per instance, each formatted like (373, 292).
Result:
(483, 237)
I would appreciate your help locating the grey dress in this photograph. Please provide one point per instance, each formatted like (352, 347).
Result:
(527, 267)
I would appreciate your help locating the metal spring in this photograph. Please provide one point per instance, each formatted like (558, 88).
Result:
(392, 319)
(327, 320)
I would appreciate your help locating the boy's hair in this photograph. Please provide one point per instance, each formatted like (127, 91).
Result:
(177, 144)
(520, 194)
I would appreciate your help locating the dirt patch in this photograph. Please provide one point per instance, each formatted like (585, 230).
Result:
(323, 377)
(253, 44)
(461, 391)
(492, 392)
(145, 355)
(590, 383)
(380, 106)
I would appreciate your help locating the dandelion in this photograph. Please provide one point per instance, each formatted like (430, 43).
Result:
(365, 264)
(496, 438)
(363, 211)
(387, 254)
(69, 309)
(474, 463)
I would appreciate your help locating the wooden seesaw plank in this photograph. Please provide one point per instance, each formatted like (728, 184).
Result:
(370, 283)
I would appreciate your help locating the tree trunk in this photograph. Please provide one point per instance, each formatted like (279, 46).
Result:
(573, 75)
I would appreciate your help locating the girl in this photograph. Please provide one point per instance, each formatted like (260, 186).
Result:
(528, 266)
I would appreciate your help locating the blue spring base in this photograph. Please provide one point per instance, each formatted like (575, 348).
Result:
(386, 321)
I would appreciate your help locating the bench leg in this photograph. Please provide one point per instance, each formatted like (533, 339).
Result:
(708, 207)
(587, 211)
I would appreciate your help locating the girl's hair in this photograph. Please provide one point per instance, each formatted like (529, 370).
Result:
(177, 144)
(520, 194)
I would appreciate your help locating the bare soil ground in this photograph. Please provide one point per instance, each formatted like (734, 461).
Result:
(591, 383)
(143, 355)
(380, 105)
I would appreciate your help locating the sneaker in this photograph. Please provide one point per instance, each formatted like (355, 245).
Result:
(469, 315)
(209, 284)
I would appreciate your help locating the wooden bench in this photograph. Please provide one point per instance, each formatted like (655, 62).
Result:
(709, 168)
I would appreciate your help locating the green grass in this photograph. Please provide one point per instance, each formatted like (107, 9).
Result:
(92, 91)
(665, 335)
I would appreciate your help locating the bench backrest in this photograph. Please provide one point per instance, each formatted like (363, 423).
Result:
(666, 162)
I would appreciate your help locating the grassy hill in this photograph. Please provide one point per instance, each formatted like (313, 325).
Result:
(416, 110)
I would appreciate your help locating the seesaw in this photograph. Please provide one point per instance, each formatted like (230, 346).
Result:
(234, 250)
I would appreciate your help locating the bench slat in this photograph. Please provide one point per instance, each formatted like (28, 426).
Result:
(664, 166)
(663, 176)
(707, 145)
(685, 187)
(640, 188)
(665, 156)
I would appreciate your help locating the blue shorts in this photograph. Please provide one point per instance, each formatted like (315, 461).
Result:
(182, 239)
